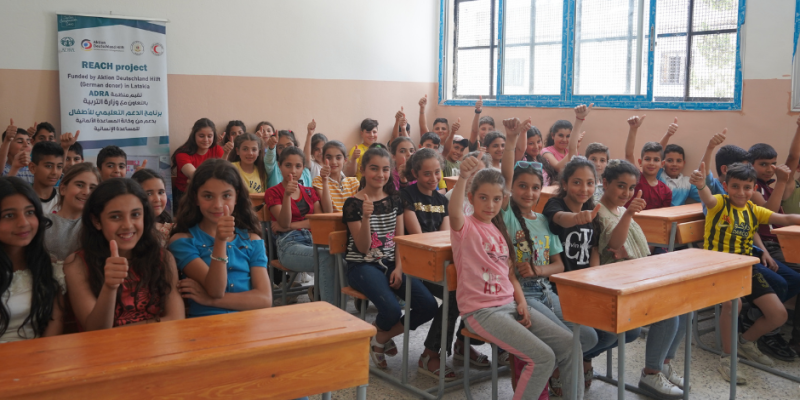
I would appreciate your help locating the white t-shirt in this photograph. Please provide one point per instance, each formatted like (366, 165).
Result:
(51, 206)
(17, 301)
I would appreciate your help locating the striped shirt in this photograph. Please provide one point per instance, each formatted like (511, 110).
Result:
(730, 229)
(382, 225)
(339, 191)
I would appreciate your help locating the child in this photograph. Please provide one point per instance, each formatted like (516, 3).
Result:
(112, 162)
(561, 144)
(536, 250)
(14, 153)
(480, 126)
(735, 208)
(248, 158)
(495, 145)
(31, 287)
(216, 245)
(74, 155)
(486, 162)
(313, 149)
(62, 238)
(654, 192)
(430, 141)
(369, 135)
(598, 154)
(234, 129)
(374, 217)
(529, 148)
(671, 172)
(274, 149)
(332, 186)
(44, 132)
(153, 185)
(265, 130)
(621, 239)
(440, 126)
(47, 163)
(402, 149)
(289, 203)
(200, 146)
(490, 298)
(453, 156)
(122, 275)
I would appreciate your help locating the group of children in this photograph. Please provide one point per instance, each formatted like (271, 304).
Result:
(126, 260)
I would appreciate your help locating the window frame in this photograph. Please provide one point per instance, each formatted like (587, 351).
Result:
(567, 99)
(795, 94)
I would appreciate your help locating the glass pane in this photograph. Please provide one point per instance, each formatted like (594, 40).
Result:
(715, 14)
(473, 19)
(472, 72)
(606, 36)
(670, 69)
(533, 30)
(473, 45)
(672, 16)
(713, 66)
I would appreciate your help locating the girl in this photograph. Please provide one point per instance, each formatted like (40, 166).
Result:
(313, 149)
(561, 144)
(374, 217)
(234, 129)
(289, 202)
(62, 238)
(121, 275)
(153, 185)
(217, 247)
(425, 210)
(200, 146)
(495, 144)
(332, 186)
(485, 162)
(537, 251)
(490, 298)
(265, 130)
(285, 140)
(248, 158)
(402, 149)
(621, 239)
(31, 287)
(529, 148)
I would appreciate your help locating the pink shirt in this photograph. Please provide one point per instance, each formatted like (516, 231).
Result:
(481, 256)
(552, 150)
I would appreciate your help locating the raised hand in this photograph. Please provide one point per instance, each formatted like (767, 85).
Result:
(401, 163)
(423, 101)
(32, 130)
(400, 114)
(228, 147)
(226, 226)
(367, 208)
(637, 204)
(11, 131)
(67, 139)
(141, 167)
(582, 111)
(470, 166)
(673, 127)
(272, 141)
(511, 124)
(586, 216)
(456, 126)
(403, 124)
(479, 104)
(580, 138)
(718, 138)
(636, 121)
(325, 171)
(312, 126)
(116, 268)
(22, 159)
(291, 186)
(357, 153)
(783, 172)
(698, 177)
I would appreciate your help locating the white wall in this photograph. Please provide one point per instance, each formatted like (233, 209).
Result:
(768, 39)
(315, 39)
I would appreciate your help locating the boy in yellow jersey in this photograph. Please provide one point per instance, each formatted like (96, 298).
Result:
(731, 222)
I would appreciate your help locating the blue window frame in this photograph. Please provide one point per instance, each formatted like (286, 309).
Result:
(688, 56)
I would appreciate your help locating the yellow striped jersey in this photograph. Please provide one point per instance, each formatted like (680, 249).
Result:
(730, 229)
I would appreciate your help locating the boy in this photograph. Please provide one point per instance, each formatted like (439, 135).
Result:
(112, 162)
(671, 172)
(369, 135)
(47, 163)
(654, 192)
(480, 126)
(598, 154)
(14, 153)
(44, 132)
(440, 125)
(430, 140)
(454, 154)
(730, 227)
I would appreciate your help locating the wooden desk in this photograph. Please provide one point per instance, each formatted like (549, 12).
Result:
(547, 193)
(258, 204)
(661, 224)
(321, 226)
(789, 237)
(277, 353)
(450, 181)
(626, 295)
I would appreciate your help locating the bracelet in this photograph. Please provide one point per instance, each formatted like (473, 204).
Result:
(478, 111)
(220, 259)
(582, 119)
(699, 189)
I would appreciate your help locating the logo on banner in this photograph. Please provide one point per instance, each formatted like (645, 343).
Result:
(137, 48)
(67, 41)
(157, 49)
(86, 44)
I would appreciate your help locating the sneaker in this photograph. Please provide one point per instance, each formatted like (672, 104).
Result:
(659, 387)
(673, 375)
(777, 347)
(750, 351)
(724, 369)
(795, 345)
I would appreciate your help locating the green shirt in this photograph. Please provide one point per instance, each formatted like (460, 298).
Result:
(451, 168)
(545, 243)
(792, 204)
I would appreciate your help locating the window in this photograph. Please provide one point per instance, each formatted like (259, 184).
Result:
(680, 54)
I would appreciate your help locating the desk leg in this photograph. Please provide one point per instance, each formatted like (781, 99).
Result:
(326, 396)
(444, 346)
(577, 355)
(316, 273)
(406, 323)
(673, 230)
(687, 362)
(361, 392)
(621, 366)
(734, 344)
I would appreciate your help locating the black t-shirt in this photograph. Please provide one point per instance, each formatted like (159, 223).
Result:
(577, 240)
(430, 210)
(382, 225)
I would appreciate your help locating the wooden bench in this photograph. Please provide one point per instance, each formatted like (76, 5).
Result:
(338, 247)
(321, 225)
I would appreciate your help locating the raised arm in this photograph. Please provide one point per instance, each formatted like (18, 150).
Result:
(715, 141)
(514, 129)
(67, 140)
(325, 194)
(312, 126)
(351, 166)
(423, 120)
(520, 146)
(399, 127)
(473, 134)
(270, 160)
(361, 230)
(11, 132)
(285, 209)
(634, 123)
(794, 149)
(448, 143)
(581, 112)
(699, 181)
(620, 232)
(671, 129)
(569, 219)
(456, 207)
(95, 312)
(783, 173)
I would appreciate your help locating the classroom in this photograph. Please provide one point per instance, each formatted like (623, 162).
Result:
(273, 195)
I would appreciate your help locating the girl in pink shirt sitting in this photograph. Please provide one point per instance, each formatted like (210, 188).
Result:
(560, 149)
(489, 295)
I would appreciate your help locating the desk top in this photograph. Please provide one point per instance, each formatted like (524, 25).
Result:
(642, 274)
(551, 190)
(54, 362)
(431, 241)
(793, 230)
(673, 213)
(325, 216)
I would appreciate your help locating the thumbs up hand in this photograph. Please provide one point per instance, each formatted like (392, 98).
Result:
(11, 131)
(22, 159)
(586, 216)
(698, 177)
(325, 171)
(226, 226)
(116, 268)
(673, 127)
(367, 208)
(32, 130)
(291, 186)
(637, 204)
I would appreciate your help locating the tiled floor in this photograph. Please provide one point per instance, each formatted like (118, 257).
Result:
(706, 381)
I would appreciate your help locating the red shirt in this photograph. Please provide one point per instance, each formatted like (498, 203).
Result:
(194, 159)
(657, 196)
(274, 197)
(765, 230)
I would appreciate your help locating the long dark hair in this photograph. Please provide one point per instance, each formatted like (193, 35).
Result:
(552, 174)
(414, 164)
(259, 163)
(378, 151)
(557, 126)
(189, 213)
(148, 259)
(231, 124)
(515, 208)
(190, 146)
(45, 288)
(495, 177)
(143, 175)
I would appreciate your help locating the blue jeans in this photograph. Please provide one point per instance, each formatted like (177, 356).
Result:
(607, 341)
(296, 254)
(540, 296)
(663, 340)
(373, 281)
